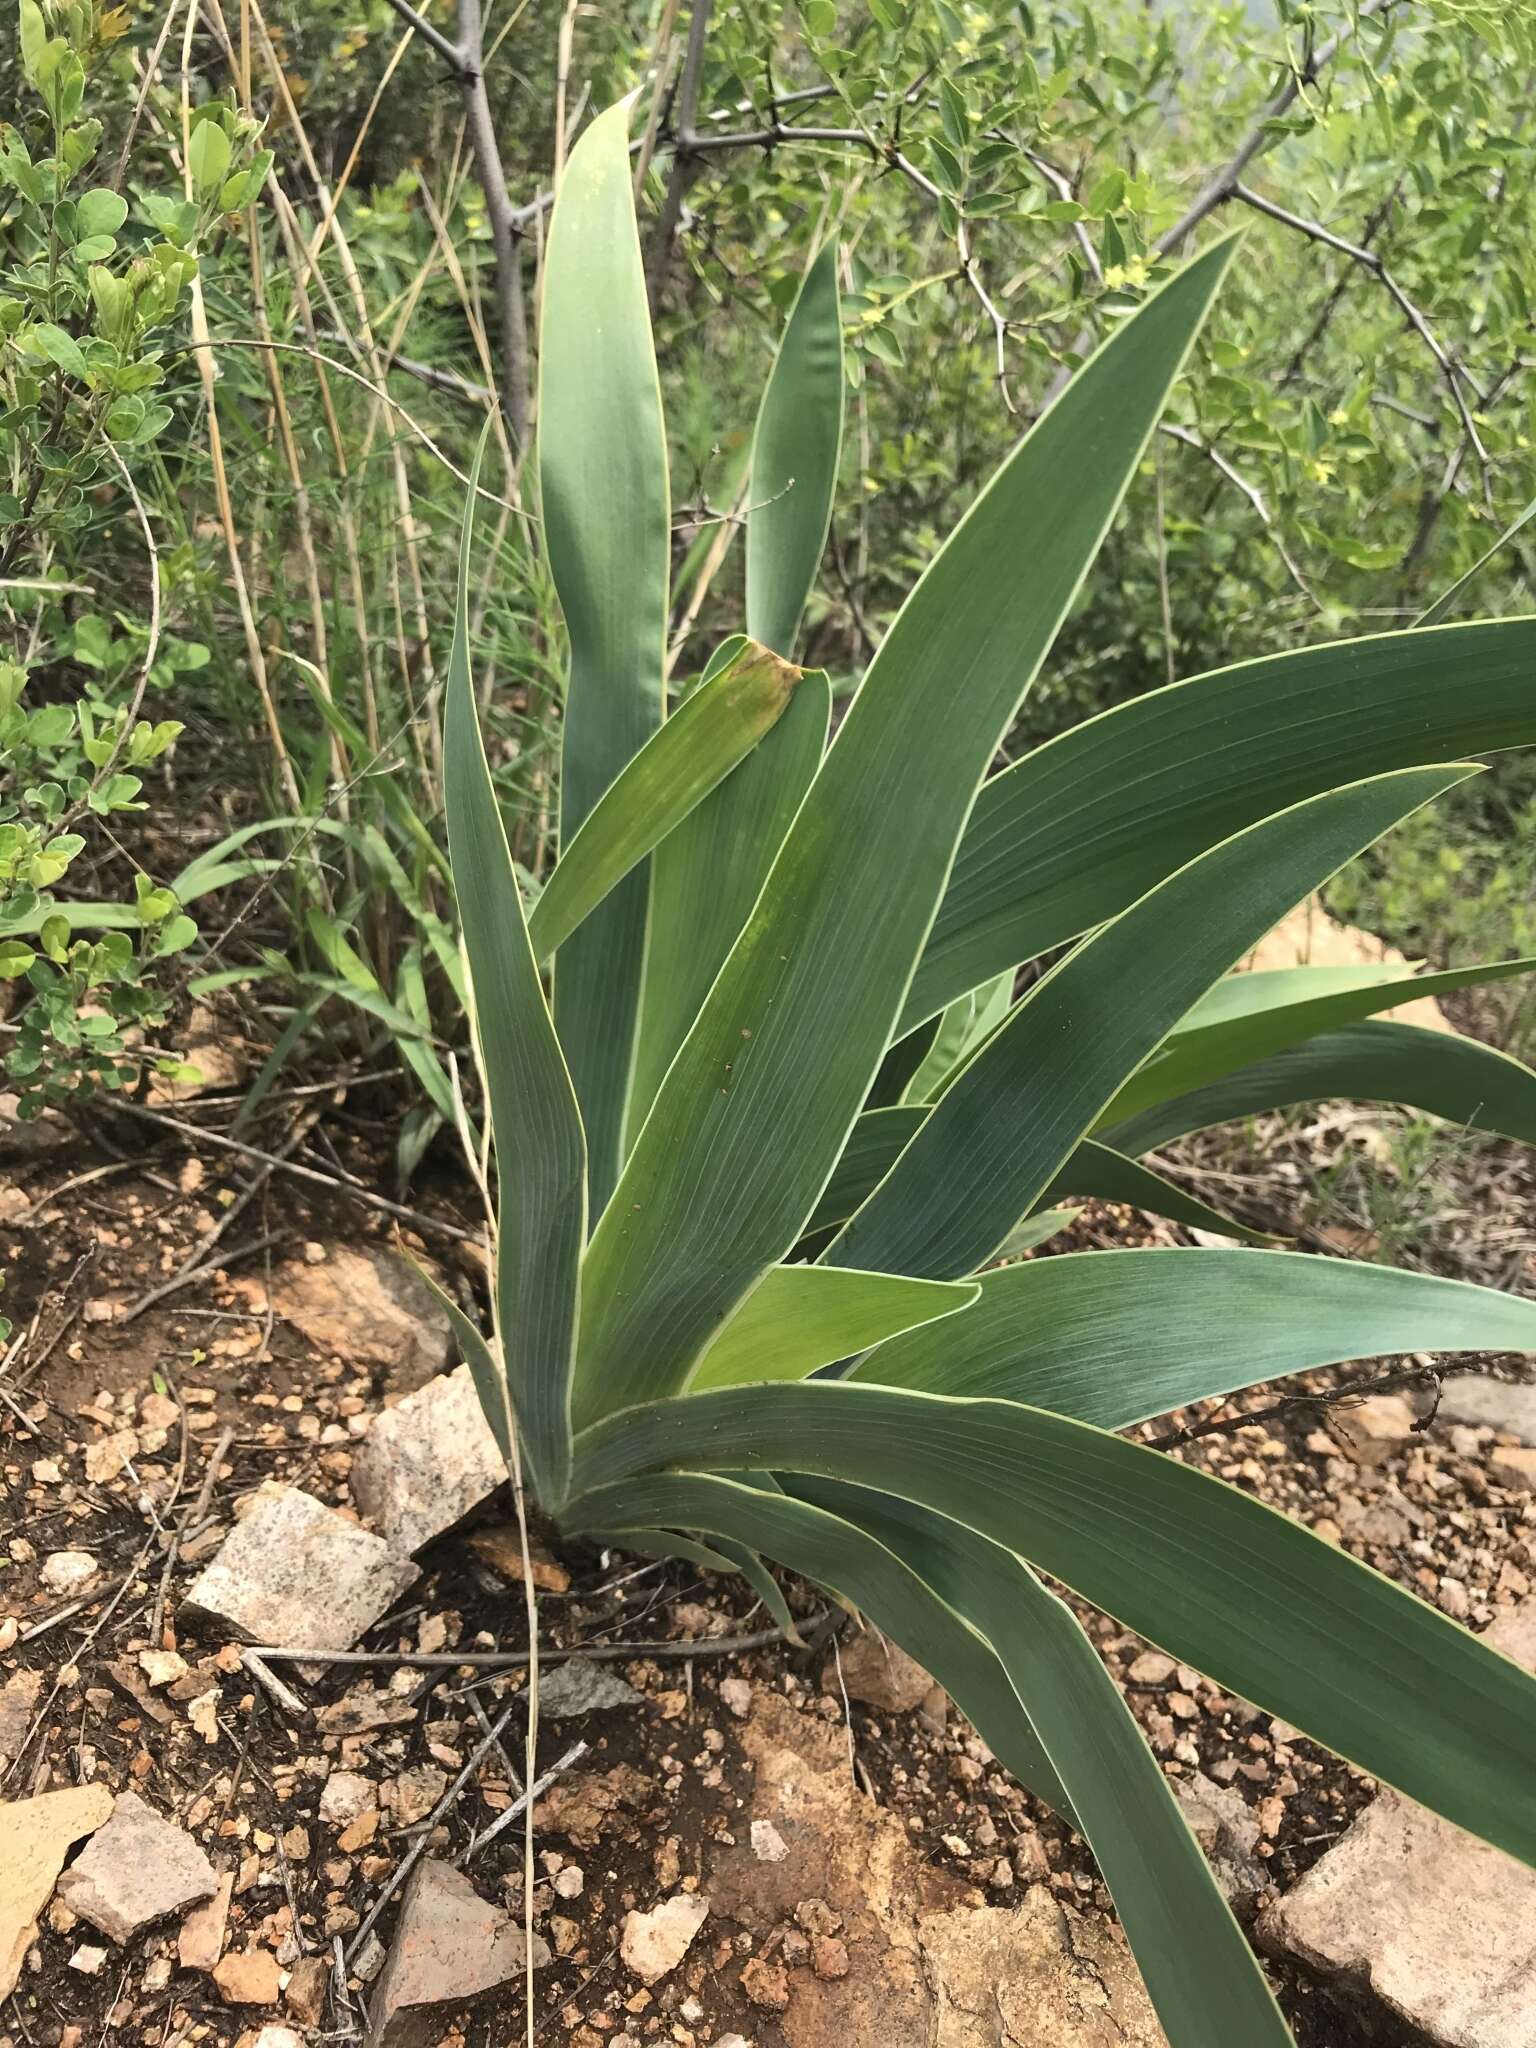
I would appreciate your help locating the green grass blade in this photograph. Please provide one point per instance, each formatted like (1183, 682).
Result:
(673, 772)
(1081, 827)
(800, 1317)
(540, 1153)
(1265, 1608)
(1169, 1902)
(1112, 1338)
(1002, 1131)
(967, 1021)
(794, 460)
(1434, 613)
(1247, 1023)
(1437, 1072)
(776, 1067)
(604, 490)
(834, 1553)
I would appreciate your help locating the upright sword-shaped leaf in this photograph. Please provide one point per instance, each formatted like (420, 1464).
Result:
(750, 1119)
(604, 490)
(540, 1150)
(794, 460)
(706, 876)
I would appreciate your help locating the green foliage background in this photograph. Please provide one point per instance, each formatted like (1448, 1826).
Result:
(1003, 183)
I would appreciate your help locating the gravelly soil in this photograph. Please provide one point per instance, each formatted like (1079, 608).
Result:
(105, 1437)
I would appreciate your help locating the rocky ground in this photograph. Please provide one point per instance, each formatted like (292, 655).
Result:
(229, 1419)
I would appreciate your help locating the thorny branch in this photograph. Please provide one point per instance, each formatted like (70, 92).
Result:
(1455, 373)
(466, 60)
(1333, 1397)
(1221, 186)
(683, 148)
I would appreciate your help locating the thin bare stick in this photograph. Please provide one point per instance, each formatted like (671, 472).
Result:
(508, 1660)
(419, 1847)
(335, 1182)
(524, 1804)
(1254, 496)
(466, 59)
(683, 148)
(1454, 372)
(1220, 187)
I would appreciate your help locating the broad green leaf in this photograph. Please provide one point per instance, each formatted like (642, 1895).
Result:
(752, 1114)
(604, 489)
(1254, 1015)
(706, 875)
(1213, 1577)
(800, 1317)
(1169, 1902)
(1099, 1171)
(881, 1135)
(1438, 1072)
(673, 772)
(1001, 1132)
(794, 460)
(764, 1584)
(1114, 1337)
(875, 1143)
(208, 157)
(835, 1554)
(1081, 827)
(540, 1154)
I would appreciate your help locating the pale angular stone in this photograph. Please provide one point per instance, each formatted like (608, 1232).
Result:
(1514, 1468)
(305, 1992)
(1488, 1403)
(18, 1697)
(1375, 1428)
(295, 1572)
(1042, 1973)
(248, 1976)
(427, 1462)
(200, 1940)
(1438, 1925)
(38, 1834)
(136, 1870)
(344, 1795)
(450, 1948)
(66, 1571)
(368, 1306)
(1221, 1823)
(875, 1672)
(653, 1944)
(584, 1686)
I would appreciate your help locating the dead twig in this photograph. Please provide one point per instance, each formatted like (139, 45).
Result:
(334, 1182)
(418, 1848)
(1333, 1397)
(193, 1522)
(282, 1695)
(504, 1660)
(524, 1801)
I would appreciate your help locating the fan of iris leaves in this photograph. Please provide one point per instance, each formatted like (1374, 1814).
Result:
(771, 1127)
